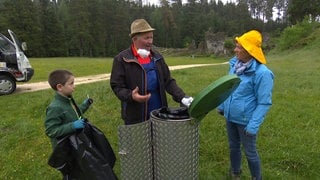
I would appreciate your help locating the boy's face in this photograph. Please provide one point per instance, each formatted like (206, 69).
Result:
(68, 88)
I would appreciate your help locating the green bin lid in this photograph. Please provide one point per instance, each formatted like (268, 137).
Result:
(213, 95)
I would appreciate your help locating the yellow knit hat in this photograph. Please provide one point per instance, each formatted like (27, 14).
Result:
(139, 26)
(251, 41)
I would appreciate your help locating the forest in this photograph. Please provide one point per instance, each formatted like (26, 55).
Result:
(100, 28)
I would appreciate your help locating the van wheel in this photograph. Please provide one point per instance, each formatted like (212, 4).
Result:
(7, 85)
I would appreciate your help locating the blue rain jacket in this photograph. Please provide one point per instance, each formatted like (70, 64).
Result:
(250, 102)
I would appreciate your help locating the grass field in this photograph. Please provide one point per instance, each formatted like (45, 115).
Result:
(288, 141)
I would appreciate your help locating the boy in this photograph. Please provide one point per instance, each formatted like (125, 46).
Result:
(63, 116)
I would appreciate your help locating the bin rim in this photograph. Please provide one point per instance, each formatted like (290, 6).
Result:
(155, 118)
(213, 95)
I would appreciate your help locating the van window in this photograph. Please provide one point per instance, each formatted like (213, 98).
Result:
(5, 45)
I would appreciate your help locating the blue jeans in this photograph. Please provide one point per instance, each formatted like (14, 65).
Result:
(237, 136)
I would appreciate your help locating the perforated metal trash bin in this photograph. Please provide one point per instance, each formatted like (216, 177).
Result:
(175, 138)
(135, 151)
(175, 147)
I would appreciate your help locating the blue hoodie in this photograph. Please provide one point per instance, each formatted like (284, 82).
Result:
(250, 102)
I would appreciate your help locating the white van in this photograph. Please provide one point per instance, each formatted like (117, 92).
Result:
(14, 65)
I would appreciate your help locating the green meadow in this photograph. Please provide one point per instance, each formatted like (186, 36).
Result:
(288, 140)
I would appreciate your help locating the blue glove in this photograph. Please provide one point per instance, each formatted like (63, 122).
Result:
(78, 124)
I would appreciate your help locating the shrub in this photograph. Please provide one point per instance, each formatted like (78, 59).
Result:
(295, 36)
(229, 45)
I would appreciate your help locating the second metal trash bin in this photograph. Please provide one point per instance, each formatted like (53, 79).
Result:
(175, 141)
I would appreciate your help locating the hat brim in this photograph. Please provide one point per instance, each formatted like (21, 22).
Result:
(144, 31)
(255, 52)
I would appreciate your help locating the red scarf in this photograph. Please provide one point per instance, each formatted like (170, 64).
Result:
(141, 60)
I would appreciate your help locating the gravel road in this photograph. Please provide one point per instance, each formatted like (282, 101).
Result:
(37, 86)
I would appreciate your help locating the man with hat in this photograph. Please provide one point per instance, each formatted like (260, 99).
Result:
(140, 77)
(247, 106)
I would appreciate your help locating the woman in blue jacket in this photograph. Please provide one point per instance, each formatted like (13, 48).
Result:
(247, 106)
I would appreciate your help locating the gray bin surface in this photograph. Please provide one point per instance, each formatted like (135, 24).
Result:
(161, 149)
(135, 151)
(175, 148)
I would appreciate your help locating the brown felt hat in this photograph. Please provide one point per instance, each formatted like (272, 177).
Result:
(140, 26)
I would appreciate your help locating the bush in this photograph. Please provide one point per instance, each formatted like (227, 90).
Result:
(295, 36)
(229, 45)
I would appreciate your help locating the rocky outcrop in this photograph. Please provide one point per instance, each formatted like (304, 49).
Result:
(214, 44)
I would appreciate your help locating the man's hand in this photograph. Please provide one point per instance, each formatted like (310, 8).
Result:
(186, 101)
(139, 98)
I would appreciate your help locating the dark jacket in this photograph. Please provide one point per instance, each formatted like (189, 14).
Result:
(127, 74)
(85, 154)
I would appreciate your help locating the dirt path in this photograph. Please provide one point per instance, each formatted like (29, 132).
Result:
(31, 87)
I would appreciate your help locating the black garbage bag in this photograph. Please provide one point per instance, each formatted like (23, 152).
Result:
(100, 142)
(86, 154)
(63, 160)
(172, 113)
